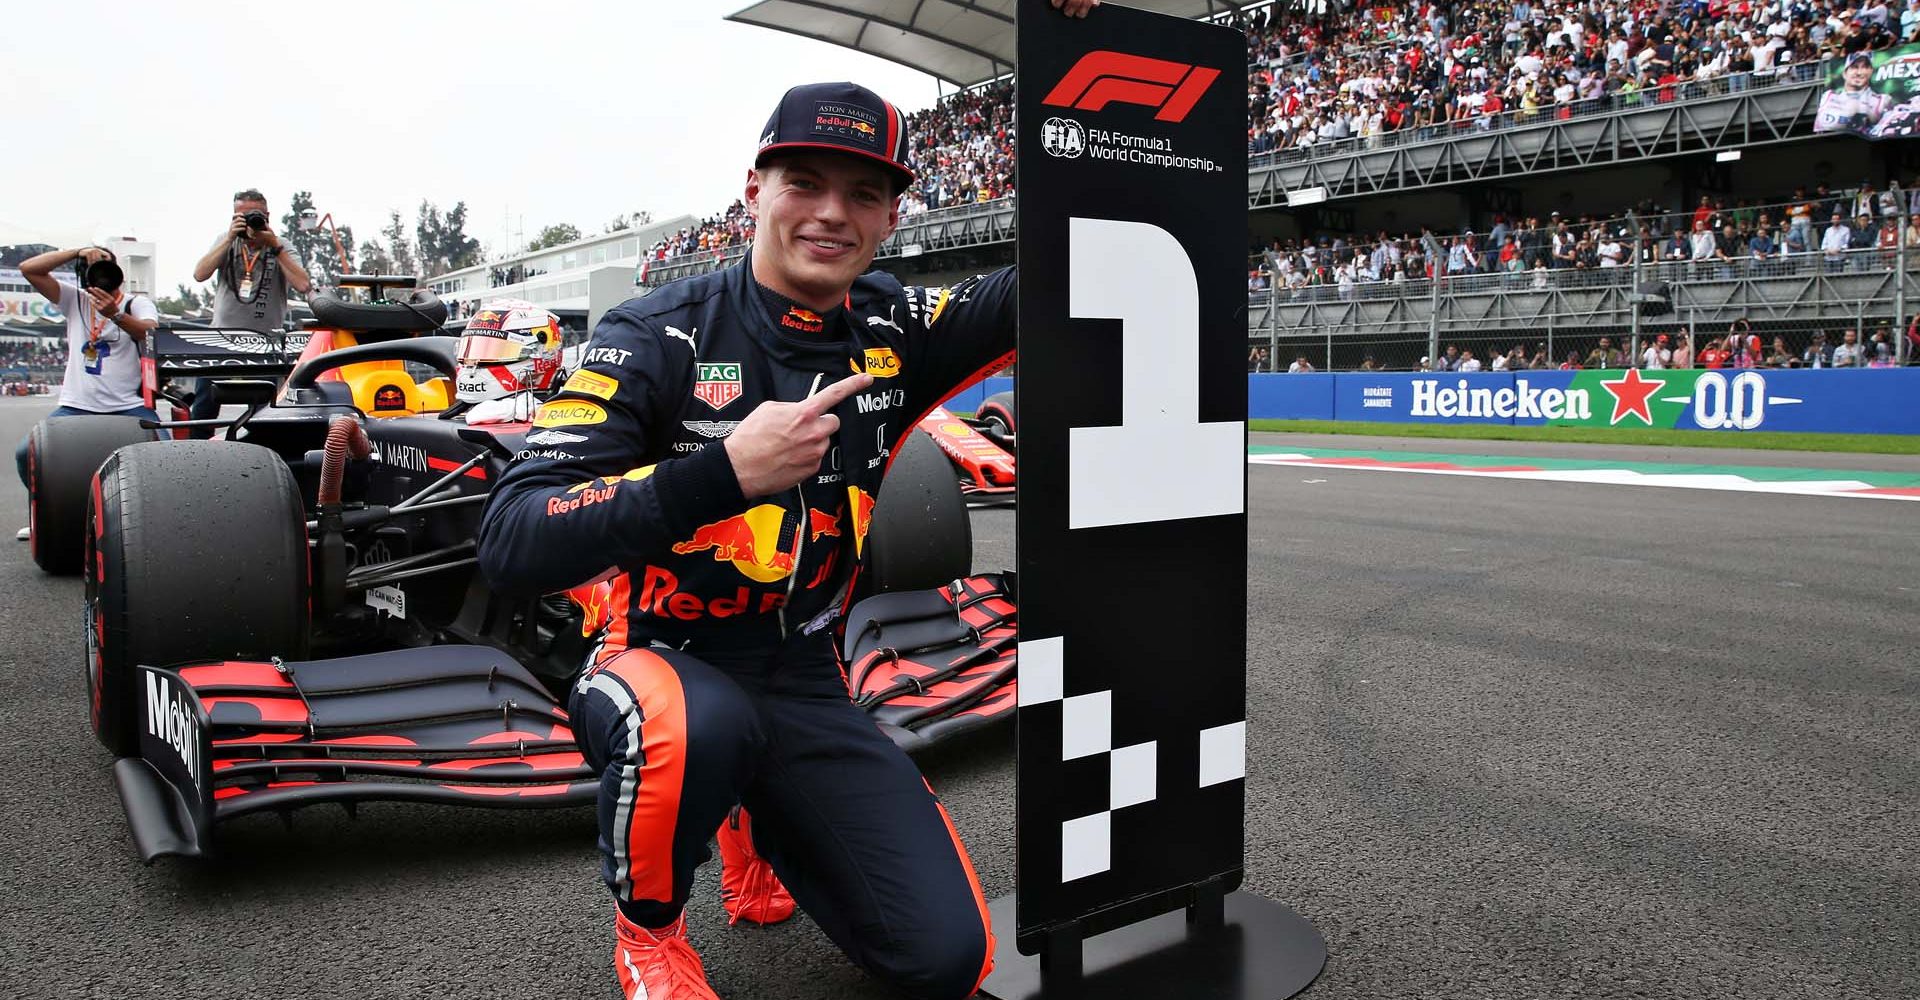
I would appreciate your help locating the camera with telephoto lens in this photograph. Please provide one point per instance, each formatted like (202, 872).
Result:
(103, 274)
(256, 220)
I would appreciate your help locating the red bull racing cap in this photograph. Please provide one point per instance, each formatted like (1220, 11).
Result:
(843, 118)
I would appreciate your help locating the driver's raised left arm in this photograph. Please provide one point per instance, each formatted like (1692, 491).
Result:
(958, 334)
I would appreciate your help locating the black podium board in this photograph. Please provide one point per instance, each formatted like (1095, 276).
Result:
(1132, 520)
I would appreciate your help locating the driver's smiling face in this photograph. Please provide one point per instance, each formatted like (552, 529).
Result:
(819, 217)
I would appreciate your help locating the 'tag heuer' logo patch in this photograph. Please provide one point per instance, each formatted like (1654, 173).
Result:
(717, 383)
(1104, 77)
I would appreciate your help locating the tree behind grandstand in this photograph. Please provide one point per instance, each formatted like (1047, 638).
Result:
(442, 241)
(314, 247)
(554, 235)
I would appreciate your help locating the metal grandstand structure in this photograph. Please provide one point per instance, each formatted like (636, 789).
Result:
(1396, 322)
(964, 42)
(1732, 114)
(967, 42)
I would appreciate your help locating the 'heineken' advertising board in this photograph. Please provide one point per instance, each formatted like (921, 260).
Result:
(1858, 401)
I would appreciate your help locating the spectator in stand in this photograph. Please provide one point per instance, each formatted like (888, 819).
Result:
(1572, 363)
(1468, 363)
(1703, 245)
(1300, 366)
(1657, 355)
(1849, 353)
(1449, 361)
(1761, 248)
(1819, 353)
(1605, 355)
(1862, 237)
(1714, 353)
(1835, 242)
(1682, 354)
(1780, 357)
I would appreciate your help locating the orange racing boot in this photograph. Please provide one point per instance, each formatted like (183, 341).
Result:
(748, 888)
(657, 964)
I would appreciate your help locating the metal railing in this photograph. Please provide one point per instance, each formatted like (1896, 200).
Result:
(1653, 98)
(1858, 289)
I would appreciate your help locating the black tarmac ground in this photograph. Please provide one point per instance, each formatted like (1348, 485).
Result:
(1507, 739)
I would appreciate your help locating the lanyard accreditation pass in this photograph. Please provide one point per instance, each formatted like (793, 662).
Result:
(247, 260)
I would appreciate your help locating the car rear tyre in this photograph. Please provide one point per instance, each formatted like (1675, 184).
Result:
(62, 456)
(921, 536)
(997, 409)
(195, 550)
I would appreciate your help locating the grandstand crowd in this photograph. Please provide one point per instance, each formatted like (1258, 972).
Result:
(1380, 68)
(1386, 67)
(1718, 238)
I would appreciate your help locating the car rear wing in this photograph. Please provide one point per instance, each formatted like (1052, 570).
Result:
(453, 724)
(184, 352)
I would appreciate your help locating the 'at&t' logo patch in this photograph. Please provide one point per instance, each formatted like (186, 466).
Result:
(717, 383)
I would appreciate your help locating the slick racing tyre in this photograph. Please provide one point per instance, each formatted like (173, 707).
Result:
(62, 456)
(196, 550)
(997, 410)
(921, 536)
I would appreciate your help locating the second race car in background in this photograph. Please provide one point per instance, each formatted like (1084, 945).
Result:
(981, 448)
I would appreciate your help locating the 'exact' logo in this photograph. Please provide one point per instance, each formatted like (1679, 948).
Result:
(1103, 77)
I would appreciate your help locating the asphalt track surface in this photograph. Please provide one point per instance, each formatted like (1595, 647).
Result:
(1507, 739)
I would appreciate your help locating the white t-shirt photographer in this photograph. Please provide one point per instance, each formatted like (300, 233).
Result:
(107, 378)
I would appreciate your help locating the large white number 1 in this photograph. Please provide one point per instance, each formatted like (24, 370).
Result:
(1161, 463)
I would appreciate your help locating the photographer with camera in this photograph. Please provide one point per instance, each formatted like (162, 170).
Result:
(254, 274)
(106, 328)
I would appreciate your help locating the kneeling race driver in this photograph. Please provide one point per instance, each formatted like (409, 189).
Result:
(710, 487)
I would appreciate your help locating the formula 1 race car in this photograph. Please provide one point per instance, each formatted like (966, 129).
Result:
(292, 614)
(62, 455)
(981, 448)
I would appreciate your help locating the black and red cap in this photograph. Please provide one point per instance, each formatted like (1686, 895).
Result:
(842, 118)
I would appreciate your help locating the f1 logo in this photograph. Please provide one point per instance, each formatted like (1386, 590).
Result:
(1103, 77)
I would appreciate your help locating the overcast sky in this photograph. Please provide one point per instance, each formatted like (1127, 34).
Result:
(142, 119)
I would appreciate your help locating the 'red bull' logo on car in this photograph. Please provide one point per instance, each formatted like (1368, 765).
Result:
(388, 398)
(1104, 77)
(750, 541)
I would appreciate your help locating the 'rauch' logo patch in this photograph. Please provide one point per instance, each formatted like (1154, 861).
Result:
(717, 383)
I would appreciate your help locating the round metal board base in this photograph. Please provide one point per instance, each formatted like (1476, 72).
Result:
(1264, 951)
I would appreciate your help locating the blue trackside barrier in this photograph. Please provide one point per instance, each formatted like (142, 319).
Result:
(968, 400)
(1845, 401)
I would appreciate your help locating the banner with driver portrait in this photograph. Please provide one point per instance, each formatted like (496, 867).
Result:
(1132, 514)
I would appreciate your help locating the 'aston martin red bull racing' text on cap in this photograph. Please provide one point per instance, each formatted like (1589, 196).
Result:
(843, 118)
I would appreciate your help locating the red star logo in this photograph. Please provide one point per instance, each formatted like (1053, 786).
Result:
(1630, 396)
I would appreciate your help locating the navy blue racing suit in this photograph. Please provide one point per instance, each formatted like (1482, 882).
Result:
(715, 680)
